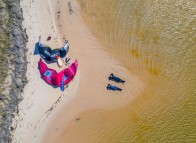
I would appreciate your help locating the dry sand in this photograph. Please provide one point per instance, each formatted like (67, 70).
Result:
(45, 112)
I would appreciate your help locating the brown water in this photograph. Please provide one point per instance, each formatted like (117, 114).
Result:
(155, 40)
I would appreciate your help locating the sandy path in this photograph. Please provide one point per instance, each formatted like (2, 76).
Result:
(44, 109)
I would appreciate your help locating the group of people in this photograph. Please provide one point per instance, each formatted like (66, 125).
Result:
(116, 79)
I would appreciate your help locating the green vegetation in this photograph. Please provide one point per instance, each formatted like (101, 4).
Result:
(5, 20)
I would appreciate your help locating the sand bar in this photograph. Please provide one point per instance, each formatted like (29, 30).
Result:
(45, 109)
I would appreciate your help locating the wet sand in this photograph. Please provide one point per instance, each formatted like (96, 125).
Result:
(45, 112)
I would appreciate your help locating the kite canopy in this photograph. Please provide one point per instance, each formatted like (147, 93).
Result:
(50, 55)
(58, 79)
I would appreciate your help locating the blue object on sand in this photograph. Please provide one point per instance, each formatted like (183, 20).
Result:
(62, 86)
(115, 78)
(112, 87)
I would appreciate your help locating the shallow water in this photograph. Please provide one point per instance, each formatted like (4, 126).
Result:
(156, 41)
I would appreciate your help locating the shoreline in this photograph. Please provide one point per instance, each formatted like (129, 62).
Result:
(43, 105)
(16, 79)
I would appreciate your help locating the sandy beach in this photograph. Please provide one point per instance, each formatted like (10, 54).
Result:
(45, 112)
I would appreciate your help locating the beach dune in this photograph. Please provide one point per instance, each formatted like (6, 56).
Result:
(45, 112)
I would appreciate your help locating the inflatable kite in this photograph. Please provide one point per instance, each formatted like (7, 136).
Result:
(58, 79)
(52, 55)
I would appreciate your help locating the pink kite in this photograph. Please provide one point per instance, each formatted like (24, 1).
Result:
(58, 79)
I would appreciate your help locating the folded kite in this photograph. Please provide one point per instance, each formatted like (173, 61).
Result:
(51, 55)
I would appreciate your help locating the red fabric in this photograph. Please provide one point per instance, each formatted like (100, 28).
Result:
(56, 79)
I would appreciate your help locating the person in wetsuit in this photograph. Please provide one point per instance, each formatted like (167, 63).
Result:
(111, 87)
(115, 78)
